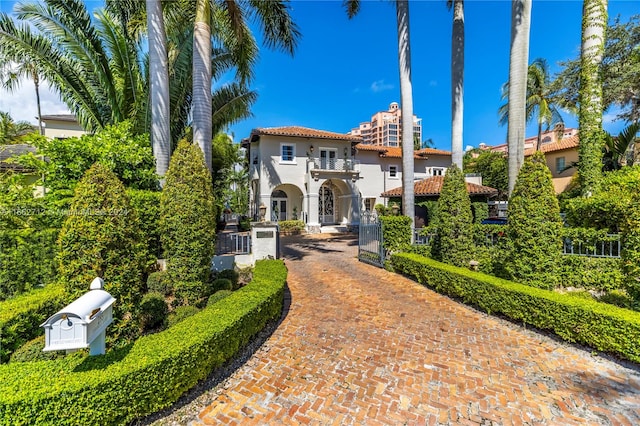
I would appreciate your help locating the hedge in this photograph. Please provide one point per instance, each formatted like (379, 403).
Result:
(603, 327)
(21, 316)
(149, 374)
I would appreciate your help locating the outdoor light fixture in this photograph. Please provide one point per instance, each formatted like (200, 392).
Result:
(263, 212)
(311, 148)
(395, 208)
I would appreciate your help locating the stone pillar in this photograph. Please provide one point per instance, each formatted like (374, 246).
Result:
(265, 240)
(313, 203)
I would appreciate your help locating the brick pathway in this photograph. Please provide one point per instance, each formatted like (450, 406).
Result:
(360, 345)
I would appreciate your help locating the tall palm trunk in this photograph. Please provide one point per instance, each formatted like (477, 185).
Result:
(406, 100)
(201, 106)
(518, 67)
(594, 23)
(158, 87)
(457, 82)
(36, 83)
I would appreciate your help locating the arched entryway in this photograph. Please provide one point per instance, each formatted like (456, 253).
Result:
(327, 207)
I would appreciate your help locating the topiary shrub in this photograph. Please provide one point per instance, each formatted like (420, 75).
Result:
(396, 232)
(480, 210)
(32, 351)
(188, 222)
(159, 282)
(153, 312)
(221, 284)
(181, 313)
(147, 207)
(231, 275)
(101, 237)
(217, 296)
(534, 226)
(454, 242)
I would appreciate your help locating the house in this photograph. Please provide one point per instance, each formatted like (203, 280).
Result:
(62, 126)
(429, 189)
(322, 177)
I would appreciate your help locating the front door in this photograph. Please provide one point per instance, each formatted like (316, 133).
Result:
(327, 205)
(278, 209)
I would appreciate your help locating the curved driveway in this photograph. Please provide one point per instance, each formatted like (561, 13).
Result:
(360, 345)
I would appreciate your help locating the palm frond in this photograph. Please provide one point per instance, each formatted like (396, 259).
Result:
(231, 103)
(280, 32)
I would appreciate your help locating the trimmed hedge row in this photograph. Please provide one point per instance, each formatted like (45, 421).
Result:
(149, 374)
(603, 327)
(21, 316)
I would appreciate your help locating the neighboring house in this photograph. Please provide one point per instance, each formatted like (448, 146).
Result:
(62, 126)
(559, 156)
(385, 128)
(550, 137)
(324, 178)
(8, 154)
(429, 189)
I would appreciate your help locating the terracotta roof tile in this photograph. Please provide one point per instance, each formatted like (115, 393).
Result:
(396, 152)
(569, 142)
(433, 185)
(304, 132)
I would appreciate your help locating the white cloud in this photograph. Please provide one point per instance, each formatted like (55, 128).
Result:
(21, 104)
(380, 86)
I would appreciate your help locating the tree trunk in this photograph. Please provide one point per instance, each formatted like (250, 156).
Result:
(158, 87)
(406, 100)
(457, 82)
(518, 68)
(201, 104)
(594, 23)
(36, 83)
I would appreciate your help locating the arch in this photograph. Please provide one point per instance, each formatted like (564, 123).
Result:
(286, 202)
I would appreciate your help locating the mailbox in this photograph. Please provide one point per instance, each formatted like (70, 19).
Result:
(82, 323)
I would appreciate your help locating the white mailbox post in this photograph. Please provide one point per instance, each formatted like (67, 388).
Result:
(82, 323)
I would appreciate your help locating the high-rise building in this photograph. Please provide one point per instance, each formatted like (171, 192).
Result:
(385, 128)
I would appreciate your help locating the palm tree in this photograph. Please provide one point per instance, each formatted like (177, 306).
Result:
(159, 87)
(225, 21)
(594, 24)
(616, 148)
(11, 75)
(457, 80)
(11, 131)
(406, 100)
(519, 57)
(539, 99)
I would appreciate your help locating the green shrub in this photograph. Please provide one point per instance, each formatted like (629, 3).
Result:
(534, 226)
(231, 275)
(102, 238)
(592, 273)
(287, 226)
(153, 312)
(396, 232)
(603, 327)
(148, 375)
(21, 316)
(147, 207)
(453, 242)
(159, 282)
(181, 313)
(381, 210)
(221, 284)
(619, 298)
(188, 222)
(32, 351)
(218, 295)
(480, 210)
(244, 224)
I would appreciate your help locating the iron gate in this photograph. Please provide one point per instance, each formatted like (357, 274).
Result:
(370, 240)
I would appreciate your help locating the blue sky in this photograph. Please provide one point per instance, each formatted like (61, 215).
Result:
(345, 70)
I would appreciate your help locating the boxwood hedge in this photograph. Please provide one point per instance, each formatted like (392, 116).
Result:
(21, 316)
(149, 374)
(603, 327)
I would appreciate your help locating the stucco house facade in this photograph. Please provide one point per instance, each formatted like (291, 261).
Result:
(62, 126)
(322, 177)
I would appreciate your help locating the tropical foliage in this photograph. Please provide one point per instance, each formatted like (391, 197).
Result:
(492, 166)
(13, 132)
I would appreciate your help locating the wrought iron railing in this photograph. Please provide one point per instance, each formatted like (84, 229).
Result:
(335, 164)
(233, 243)
(609, 247)
(420, 238)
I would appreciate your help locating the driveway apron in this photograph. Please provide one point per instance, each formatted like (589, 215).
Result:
(361, 345)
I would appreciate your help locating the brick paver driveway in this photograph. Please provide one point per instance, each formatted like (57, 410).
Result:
(360, 345)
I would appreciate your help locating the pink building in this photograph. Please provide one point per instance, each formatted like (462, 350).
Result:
(385, 128)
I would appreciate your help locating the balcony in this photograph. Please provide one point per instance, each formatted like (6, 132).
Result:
(334, 166)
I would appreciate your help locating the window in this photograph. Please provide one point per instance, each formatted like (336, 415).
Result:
(560, 164)
(287, 153)
(393, 171)
(369, 204)
(438, 171)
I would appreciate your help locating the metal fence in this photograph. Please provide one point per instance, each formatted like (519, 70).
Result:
(370, 240)
(233, 243)
(611, 247)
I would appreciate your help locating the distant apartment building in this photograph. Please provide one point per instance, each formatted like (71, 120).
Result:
(385, 128)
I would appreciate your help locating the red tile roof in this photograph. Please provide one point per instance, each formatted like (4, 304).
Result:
(433, 185)
(564, 143)
(304, 132)
(396, 152)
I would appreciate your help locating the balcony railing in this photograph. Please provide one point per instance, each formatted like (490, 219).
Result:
(335, 164)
